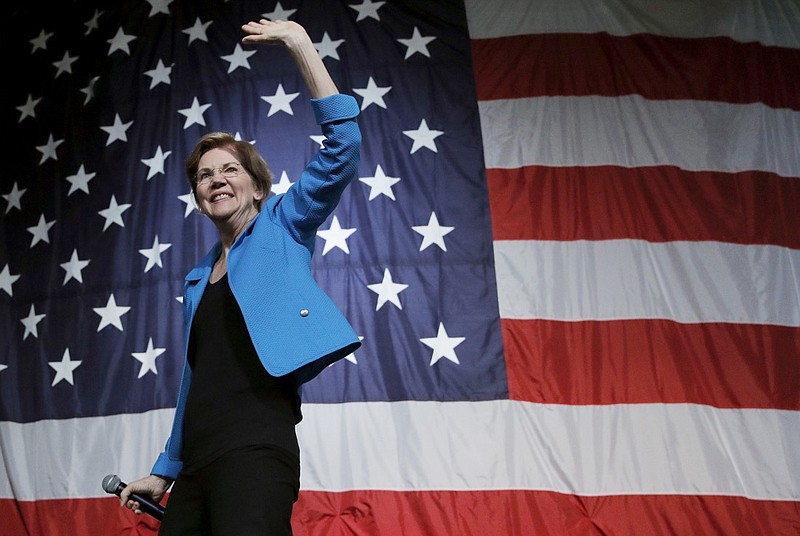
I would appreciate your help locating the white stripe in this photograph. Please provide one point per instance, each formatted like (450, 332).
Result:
(416, 446)
(632, 131)
(770, 22)
(53, 459)
(686, 282)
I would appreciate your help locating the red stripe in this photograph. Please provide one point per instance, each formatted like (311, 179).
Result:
(653, 361)
(446, 513)
(524, 513)
(651, 203)
(74, 517)
(653, 66)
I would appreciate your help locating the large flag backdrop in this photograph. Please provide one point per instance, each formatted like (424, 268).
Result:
(571, 252)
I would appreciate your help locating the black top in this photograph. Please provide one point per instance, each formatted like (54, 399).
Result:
(233, 401)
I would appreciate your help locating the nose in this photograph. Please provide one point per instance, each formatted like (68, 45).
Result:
(217, 176)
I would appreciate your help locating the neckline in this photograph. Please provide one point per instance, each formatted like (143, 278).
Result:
(218, 281)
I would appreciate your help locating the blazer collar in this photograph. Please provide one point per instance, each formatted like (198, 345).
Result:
(203, 268)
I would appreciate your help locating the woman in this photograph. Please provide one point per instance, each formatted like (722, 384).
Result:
(257, 324)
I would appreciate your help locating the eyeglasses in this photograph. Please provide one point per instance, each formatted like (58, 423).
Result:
(229, 171)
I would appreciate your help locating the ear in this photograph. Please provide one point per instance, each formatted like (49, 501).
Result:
(258, 195)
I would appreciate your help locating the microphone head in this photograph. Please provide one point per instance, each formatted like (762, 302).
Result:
(111, 483)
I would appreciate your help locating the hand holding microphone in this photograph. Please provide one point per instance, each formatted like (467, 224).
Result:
(147, 504)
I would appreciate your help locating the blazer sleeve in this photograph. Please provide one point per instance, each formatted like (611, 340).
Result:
(309, 202)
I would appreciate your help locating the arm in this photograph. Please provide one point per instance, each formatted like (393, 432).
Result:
(317, 192)
(298, 43)
(315, 195)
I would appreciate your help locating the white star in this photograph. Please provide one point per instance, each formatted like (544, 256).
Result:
(352, 356)
(283, 185)
(40, 230)
(120, 42)
(40, 41)
(111, 314)
(7, 279)
(64, 368)
(159, 6)
(280, 101)
(238, 137)
(443, 346)
(367, 9)
(373, 94)
(73, 268)
(13, 197)
(387, 290)
(433, 233)
(153, 254)
(194, 114)
(30, 323)
(335, 237)
(80, 181)
(238, 58)
(319, 139)
(198, 31)
(148, 358)
(48, 150)
(279, 13)
(423, 137)
(161, 74)
(117, 131)
(191, 204)
(417, 43)
(156, 164)
(327, 47)
(93, 24)
(380, 184)
(113, 214)
(64, 65)
(89, 90)
(28, 109)
(4, 367)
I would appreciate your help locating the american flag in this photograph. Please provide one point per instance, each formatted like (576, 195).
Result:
(572, 252)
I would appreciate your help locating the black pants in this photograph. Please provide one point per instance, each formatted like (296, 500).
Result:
(246, 492)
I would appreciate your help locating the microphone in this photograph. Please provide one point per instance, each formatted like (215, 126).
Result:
(112, 484)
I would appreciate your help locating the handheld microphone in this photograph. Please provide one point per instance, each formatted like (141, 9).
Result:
(112, 484)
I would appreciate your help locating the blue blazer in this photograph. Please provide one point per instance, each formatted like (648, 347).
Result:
(293, 324)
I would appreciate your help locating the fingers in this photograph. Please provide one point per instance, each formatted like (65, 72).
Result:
(256, 31)
(123, 496)
(124, 499)
(130, 504)
(134, 506)
(253, 26)
(270, 31)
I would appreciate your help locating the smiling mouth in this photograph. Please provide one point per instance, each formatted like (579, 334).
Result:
(221, 197)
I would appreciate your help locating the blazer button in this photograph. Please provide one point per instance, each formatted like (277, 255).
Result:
(304, 312)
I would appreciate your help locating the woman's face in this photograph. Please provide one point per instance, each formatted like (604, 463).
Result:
(225, 195)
